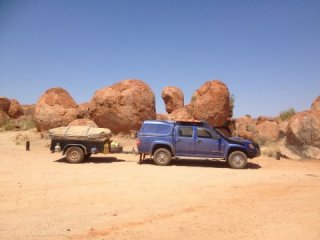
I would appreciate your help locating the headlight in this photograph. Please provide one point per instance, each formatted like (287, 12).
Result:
(251, 146)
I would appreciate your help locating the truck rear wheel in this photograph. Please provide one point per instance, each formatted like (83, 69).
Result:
(74, 155)
(237, 159)
(162, 157)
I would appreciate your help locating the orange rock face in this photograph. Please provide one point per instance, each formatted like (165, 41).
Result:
(83, 122)
(269, 131)
(173, 98)
(182, 114)
(211, 103)
(316, 104)
(55, 108)
(245, 128)
(123, 106)
(15, 109)
(4, 104)
(303, 134)
(304, 129)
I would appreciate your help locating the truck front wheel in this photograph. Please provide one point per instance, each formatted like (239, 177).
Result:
(162, 157)
(74, 155)
(237, 159)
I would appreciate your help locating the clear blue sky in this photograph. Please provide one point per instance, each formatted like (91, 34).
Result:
(267, 52)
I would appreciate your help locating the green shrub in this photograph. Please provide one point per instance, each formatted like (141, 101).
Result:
(28, 124)
(286, 115)
(8, 125)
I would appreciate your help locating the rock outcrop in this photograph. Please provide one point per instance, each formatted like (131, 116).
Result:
(15, 110)
(55, 108)
(182, 114)
(316, 104)
(5, 104)
(268, 131)
(303, 134)
(84, 110)
(245, 128)
(173, 98)
(123, 106)
(211, 103)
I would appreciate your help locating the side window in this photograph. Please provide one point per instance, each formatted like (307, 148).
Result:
(185, 131)
(203, 133)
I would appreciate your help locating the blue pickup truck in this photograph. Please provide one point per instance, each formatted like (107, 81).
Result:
(164, 140)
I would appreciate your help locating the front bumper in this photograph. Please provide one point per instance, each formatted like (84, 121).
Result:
(252, 153)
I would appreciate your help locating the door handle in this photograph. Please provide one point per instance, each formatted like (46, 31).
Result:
(179, 140)
(199, 141)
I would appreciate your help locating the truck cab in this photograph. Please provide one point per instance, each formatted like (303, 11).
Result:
(164, 140)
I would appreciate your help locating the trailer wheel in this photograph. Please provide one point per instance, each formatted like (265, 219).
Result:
(162, 157)
(74, 155)
(237, 159)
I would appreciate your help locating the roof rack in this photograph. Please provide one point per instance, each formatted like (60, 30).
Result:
(193, 122)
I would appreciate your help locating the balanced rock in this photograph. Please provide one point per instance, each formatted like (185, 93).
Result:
(123, 106)
(173, 98)
(211, 103)
(15, 110)
(316, 104)
(55, 108)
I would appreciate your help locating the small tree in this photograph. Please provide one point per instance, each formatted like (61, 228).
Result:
(287, 114)
(232, 99)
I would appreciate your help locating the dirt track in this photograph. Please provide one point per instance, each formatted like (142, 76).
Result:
(43, 197)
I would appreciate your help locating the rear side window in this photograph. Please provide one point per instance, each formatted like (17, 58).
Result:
(185, 131)
(157, 129)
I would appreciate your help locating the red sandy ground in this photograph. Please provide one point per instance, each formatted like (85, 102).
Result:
(111, 197)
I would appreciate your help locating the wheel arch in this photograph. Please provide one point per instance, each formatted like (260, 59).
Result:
(161, 145)
(233, 149)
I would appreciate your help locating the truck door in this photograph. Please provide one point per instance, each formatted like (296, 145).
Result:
(185, 142)
(208, 143)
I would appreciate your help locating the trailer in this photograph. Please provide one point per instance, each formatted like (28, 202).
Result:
(78, 143)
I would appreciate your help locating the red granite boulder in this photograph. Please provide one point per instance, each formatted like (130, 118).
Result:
(55, 108)
(123, 107)
(211, 103)
(173, 98)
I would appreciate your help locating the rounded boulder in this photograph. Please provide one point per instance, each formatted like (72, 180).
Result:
(55, 108)
(211, 103)
(304, 129)
(15, 109)
(123, 107)
(316, 104)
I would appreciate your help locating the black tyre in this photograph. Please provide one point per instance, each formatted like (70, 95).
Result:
(74, 155)
(162, 157)
(238, 160)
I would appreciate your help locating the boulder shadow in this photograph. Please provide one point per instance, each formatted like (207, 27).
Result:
(96, 160)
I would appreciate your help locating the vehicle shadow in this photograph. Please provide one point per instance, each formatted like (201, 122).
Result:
(201, 163)
(96, 160)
